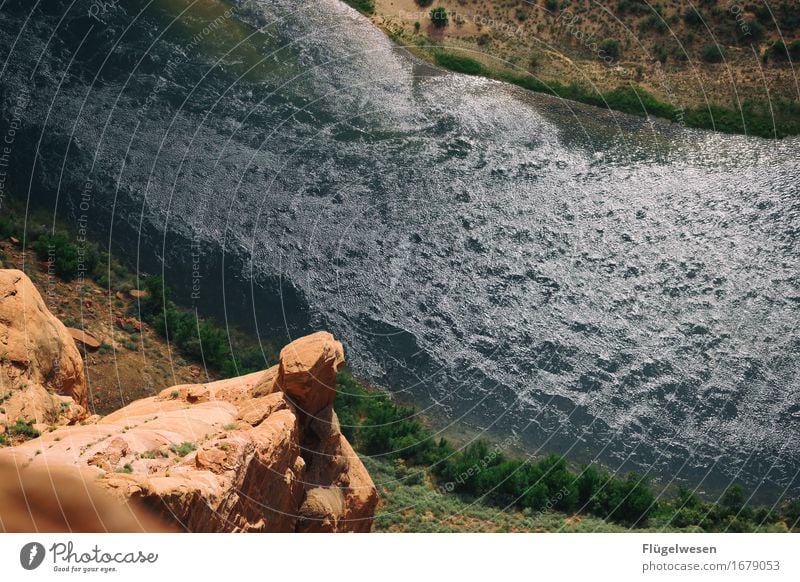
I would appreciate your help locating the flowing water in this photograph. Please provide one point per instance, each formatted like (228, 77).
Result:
(595, 284)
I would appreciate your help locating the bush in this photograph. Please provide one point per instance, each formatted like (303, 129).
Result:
(692, 17)
(633, 7)
(750, 30)
(611, 48)
(781, 52)
(183, 449)
(551, 5)
(712, 53)
(653, 22)
(67, 258)
(200, 338)
(439, 17)
(459, 64)
(636, 101)
(22, 428)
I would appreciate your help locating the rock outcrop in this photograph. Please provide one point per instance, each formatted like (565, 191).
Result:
(41, 371)
(257, 453)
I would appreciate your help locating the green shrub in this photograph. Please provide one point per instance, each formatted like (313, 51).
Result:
(459, 64)
(439, 17)
(23, 428)
(712, 53)
(126, 468)
(692, 17)
(68, 259)
(611, 48)
(636, 101)
(653, 22)
(201, 338)
(183, 449)
(779, 51)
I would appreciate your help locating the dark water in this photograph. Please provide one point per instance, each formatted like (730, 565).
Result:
(596, 284)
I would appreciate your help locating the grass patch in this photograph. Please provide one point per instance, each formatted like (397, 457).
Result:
(23, 429)
(183, 449)
(126, 468)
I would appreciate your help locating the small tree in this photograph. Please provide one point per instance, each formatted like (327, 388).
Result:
(732, 500)
(439, 17)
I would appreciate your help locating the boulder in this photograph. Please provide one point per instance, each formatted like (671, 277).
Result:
(307, 371)
(83, 339)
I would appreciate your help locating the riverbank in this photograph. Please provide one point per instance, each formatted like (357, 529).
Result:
(639, 60)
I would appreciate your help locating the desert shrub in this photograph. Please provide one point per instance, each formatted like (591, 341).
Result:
(712, 53)
(68, 259)
(23, 428)
(459, 64)
(611, 48)
(439, 17)
(692, 17)
(183, 449)
(653, 22)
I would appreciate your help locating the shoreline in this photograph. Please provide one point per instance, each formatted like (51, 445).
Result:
(618, 85)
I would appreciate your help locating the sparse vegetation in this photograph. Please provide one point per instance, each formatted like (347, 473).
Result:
(126, 468)
(200, 338)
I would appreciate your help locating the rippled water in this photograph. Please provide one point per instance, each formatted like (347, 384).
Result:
(597, 284)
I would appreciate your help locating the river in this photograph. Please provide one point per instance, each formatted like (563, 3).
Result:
(607, 287)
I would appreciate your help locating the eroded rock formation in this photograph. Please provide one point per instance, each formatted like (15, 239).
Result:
(261, 452)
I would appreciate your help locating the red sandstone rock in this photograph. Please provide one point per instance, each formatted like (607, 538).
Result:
(232, 455)
(42, 371)
(84, 339)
